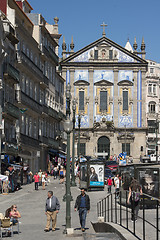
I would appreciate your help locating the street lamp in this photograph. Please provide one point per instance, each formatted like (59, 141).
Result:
(73, 183)
(68, 128)
(79, 126)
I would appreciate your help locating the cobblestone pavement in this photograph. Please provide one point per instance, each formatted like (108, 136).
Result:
(31, 205)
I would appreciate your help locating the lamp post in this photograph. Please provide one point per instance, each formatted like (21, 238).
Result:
(79, 126)
(73, 183)
(68, 128)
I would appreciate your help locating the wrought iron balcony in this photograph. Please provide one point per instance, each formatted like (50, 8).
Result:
(23, 58)
(29, 141)
(11, 110)
(50, 53)
(11, 72)
(31, 103)
(53, 143)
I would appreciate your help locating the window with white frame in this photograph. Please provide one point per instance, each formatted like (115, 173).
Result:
(27, 126)
(27, 86)
(23, 83)
(152, 89)
(23, 124)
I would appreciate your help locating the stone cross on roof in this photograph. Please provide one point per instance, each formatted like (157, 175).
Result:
(104, 25)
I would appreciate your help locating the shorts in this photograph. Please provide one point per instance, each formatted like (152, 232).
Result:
(61, 176)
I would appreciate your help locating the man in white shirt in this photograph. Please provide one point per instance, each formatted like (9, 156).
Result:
(116, 184)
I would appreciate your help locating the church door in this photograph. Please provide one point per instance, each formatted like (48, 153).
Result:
(103, 147)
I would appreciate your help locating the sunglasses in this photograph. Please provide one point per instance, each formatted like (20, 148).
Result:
(15, 207)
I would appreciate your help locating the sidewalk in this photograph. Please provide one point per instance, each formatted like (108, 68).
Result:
(31, 205)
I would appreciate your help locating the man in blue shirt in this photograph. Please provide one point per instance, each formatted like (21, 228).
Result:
(82, 204)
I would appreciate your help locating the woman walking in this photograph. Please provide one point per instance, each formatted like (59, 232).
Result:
(43, 180)
(134, 196)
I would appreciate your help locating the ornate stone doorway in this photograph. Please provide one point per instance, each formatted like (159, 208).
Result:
(103, 146)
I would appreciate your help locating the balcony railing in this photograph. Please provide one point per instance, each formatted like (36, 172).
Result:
(11, 109)
(11, 72)
(28, 101)
(49, 52)
(22, 57)
(29, 141)
(53, 143)
(53, 113)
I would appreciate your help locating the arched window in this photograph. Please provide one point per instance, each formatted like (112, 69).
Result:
(104, 145)
(152, 107)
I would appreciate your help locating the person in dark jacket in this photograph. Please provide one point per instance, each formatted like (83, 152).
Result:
(82, 204)
(51, 209)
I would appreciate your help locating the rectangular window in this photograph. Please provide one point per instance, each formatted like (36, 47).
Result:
(126, 148)
(81, 100)
(151, 70)
(154, 89)
(103, 100)
(149, 88)
(110, 54)
(82, 149)
(125, 100)
(96, 54)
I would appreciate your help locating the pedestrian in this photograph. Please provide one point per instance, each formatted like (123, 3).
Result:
(116, 184)
(82, 204)
(14, 214)
(61, 174)
(109, 183)
(43, 180)
(51, 210)
(40, 177)
(36, 180)
(135, 191)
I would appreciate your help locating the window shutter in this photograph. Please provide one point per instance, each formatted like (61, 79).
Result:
(125, 100)
(103, 100)
(81, 100)
(110, 54)
(96, 54)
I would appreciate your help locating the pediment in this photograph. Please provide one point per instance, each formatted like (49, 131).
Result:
(103, 82)
(81, 83)
(125, 83)
(86, 54)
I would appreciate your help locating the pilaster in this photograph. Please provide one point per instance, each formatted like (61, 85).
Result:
(115, 112)
(91, 98)
(135, 71)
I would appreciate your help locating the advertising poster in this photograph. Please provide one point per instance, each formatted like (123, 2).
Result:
(97, 175)
(149, 181)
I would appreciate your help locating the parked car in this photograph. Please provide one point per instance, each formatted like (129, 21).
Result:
(112, 165)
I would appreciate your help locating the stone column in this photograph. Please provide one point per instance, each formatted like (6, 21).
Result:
(115, 97)
(135, 71)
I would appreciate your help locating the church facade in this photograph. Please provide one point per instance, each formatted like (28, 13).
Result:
(108, 83)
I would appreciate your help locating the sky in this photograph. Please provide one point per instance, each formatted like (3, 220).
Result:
(125, 19)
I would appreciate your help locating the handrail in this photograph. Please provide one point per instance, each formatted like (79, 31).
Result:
(113, 208)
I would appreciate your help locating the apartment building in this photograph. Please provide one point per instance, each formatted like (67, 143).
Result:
(153, 107)
(37, 93)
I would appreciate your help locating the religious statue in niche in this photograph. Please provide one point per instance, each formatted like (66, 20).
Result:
(103, 124)
(103, 53)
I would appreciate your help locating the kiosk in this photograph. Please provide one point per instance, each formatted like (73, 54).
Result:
(92, 174)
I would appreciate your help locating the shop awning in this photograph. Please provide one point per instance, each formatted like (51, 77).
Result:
(3, 178)
(16, 166)
(62, 156)
(53, 151)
